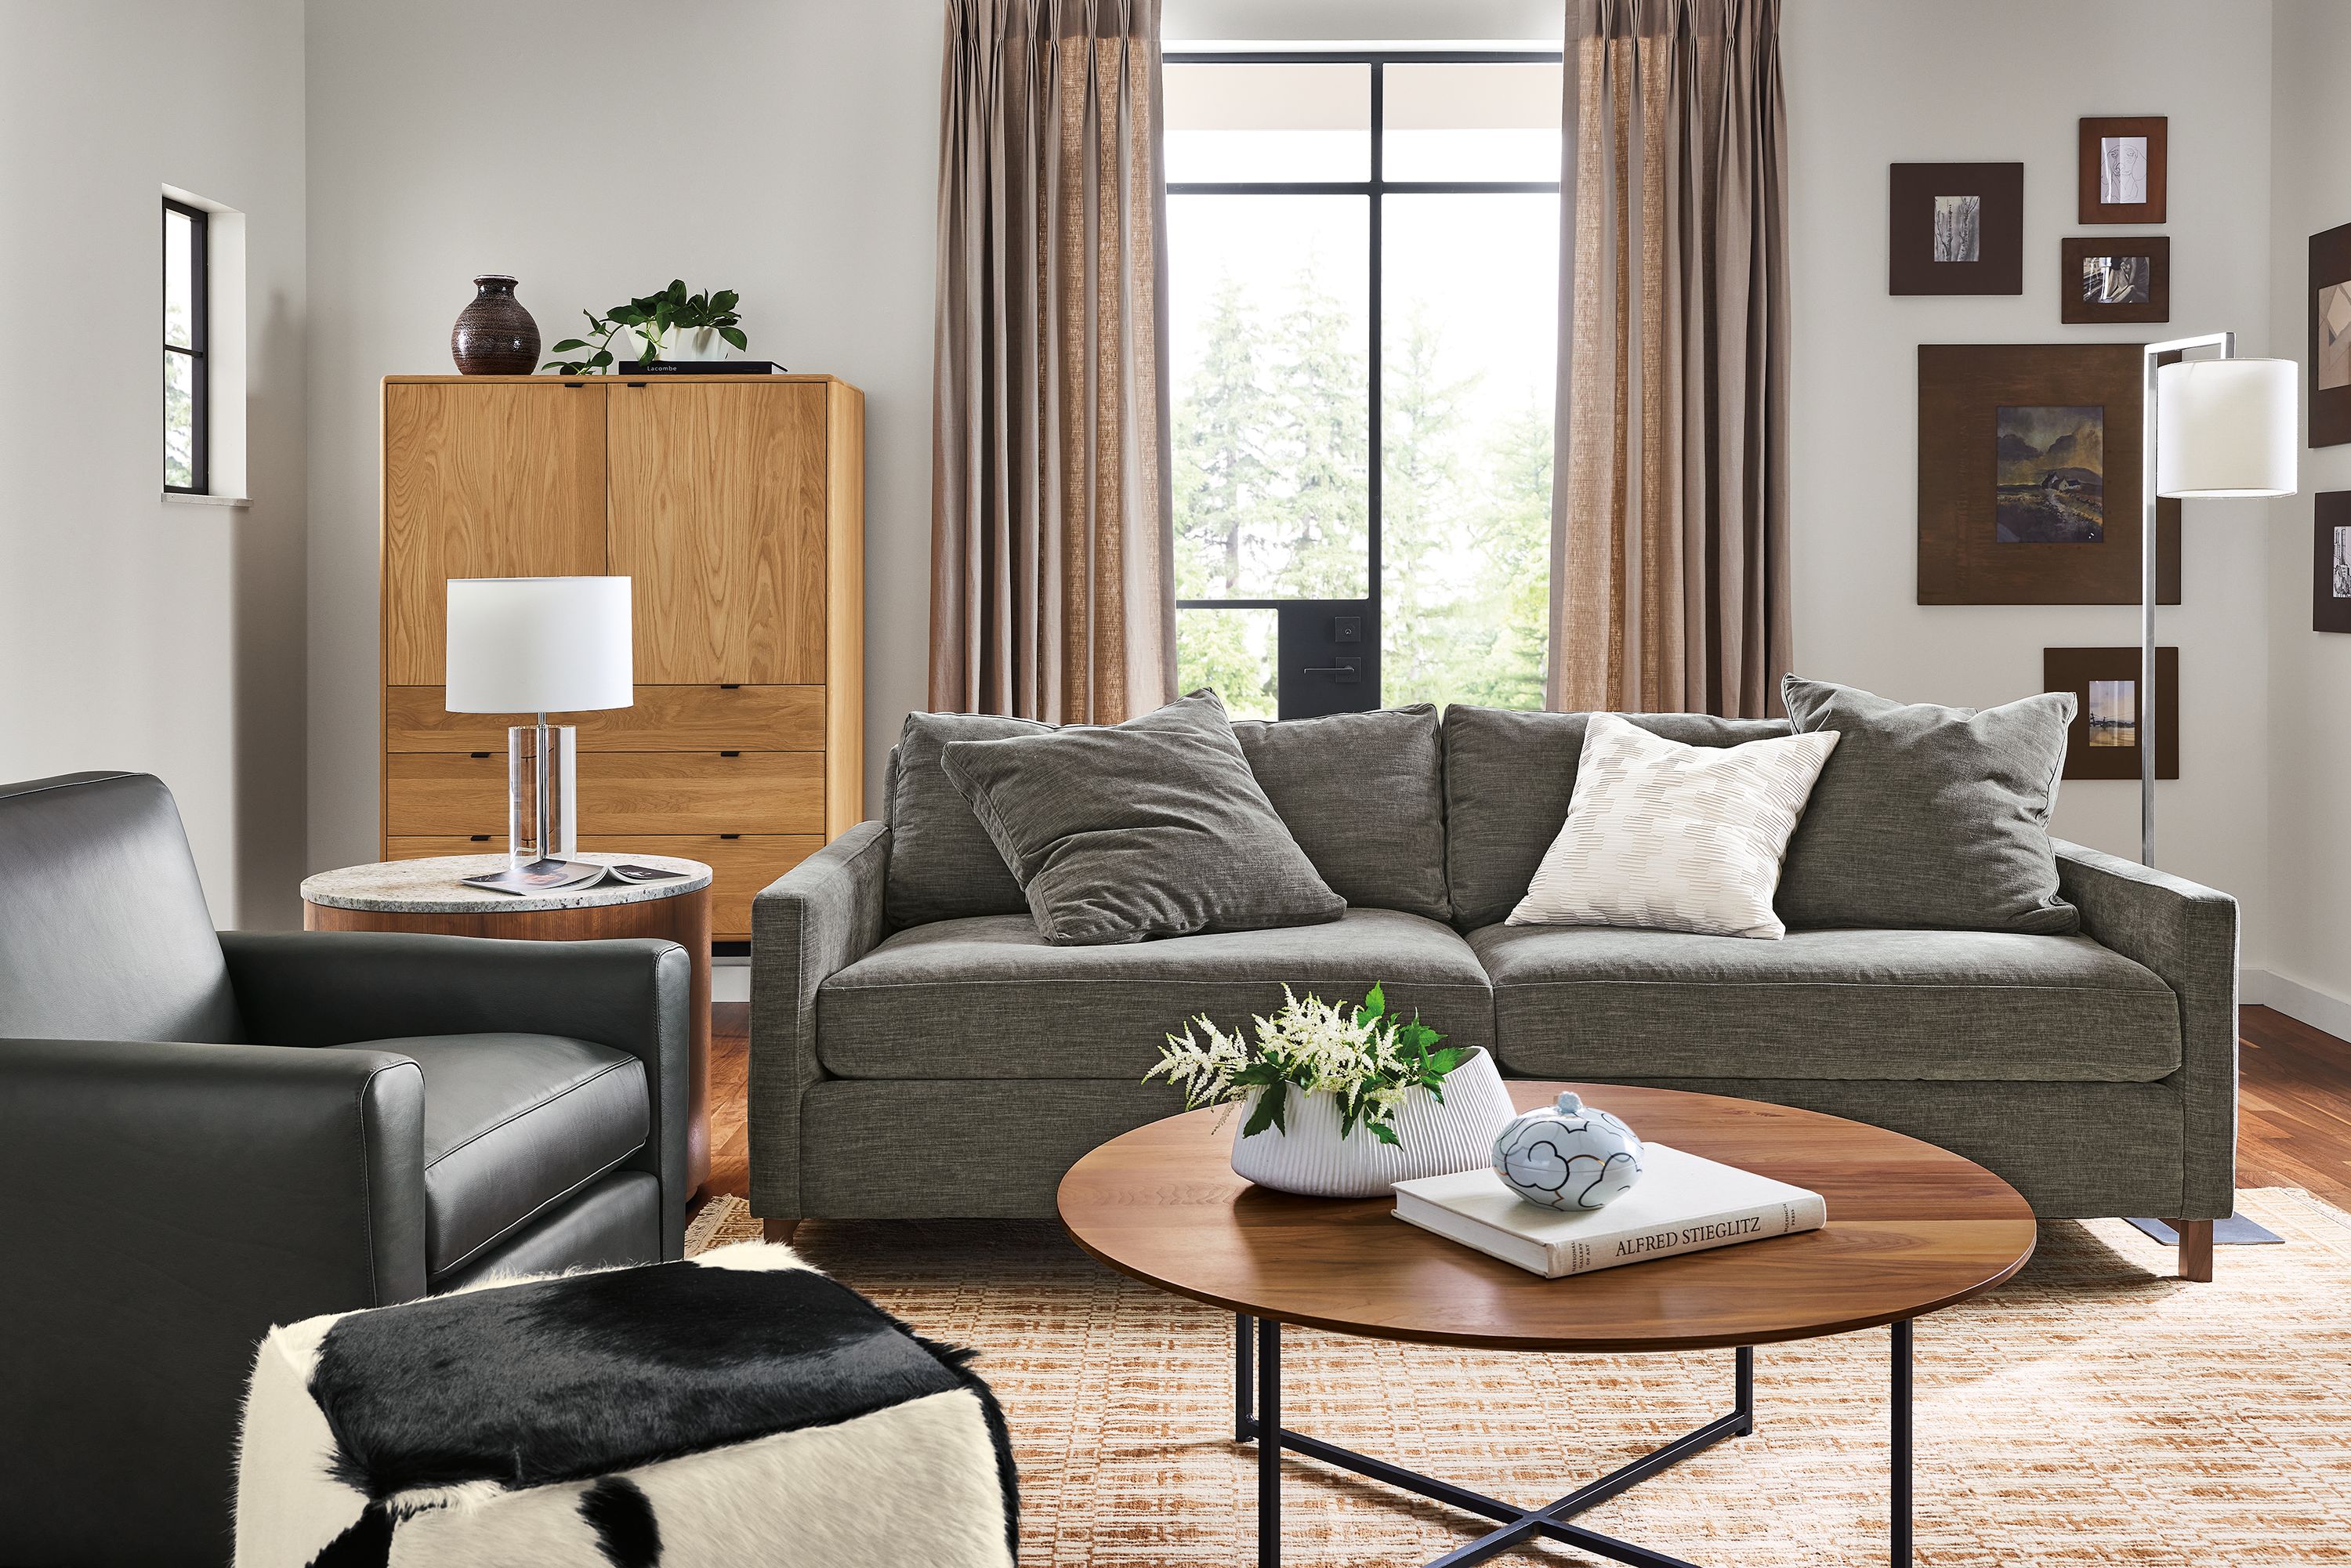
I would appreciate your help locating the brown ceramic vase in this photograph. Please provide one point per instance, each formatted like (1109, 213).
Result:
(495, 335)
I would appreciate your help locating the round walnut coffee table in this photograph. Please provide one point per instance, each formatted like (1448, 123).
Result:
(1911, 1228)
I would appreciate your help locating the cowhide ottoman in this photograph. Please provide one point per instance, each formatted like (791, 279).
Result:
(737, 1409)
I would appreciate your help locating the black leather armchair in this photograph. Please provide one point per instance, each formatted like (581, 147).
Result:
(205, 1134)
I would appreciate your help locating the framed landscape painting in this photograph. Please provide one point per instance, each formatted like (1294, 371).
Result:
(2104, 740)
(2124, 167)
(2330, 570)
(1955, 228)
(2126, 279)
(2330, 337)
(2029, 476)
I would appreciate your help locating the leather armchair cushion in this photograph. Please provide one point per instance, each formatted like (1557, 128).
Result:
(514, 1125)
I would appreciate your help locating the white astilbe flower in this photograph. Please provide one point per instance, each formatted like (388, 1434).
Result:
(1205, 1072)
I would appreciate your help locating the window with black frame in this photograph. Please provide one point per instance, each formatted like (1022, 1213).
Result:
(1362, 258)
(184, 382)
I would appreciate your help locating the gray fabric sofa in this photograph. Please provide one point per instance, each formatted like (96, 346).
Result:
(958, 1066)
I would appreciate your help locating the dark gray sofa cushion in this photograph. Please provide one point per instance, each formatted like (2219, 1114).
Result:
(1509, 777)
(1152, 828)
(989, 998)
(942, 865)
(1363, 795)
(1607, 1002)
(1926, 815)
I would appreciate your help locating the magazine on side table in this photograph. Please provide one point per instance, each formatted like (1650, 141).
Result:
(546, 876)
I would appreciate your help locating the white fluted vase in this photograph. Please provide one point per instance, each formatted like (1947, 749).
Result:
(1433, 1139)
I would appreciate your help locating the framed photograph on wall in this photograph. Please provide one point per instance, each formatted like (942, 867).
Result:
(2103, 741)
(2330, 337)
(2128, 278)
(2029, 476)
(2122, 170)
(2330, 568)
(1955, 228)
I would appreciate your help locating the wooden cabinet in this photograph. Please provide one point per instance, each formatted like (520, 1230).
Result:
(736, 507)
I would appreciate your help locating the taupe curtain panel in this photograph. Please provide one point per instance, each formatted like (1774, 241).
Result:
(1669, 515)
(1052, 569)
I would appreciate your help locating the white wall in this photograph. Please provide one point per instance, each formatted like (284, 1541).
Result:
(2310, 672)
(789, 151)
(1871, 82)
(137, 633)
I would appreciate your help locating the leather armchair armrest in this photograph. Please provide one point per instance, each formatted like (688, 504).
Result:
(337, 988)
(2185, 933)
(163, 1205)
(812, 922)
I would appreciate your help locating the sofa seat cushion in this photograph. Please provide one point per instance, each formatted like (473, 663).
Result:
(990, 998)
(1607, 1003)
(514, 1124)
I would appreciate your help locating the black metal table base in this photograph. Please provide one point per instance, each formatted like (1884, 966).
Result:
(1257, 1406)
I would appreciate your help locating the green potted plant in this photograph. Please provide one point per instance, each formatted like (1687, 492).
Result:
(670, 325)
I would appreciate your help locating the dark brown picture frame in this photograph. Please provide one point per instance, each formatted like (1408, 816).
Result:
(2075, 310)
(1961, 389)
(2073, 670)
(1911, 267)
(2330, 510)
(2094, 132)
(2330, 264)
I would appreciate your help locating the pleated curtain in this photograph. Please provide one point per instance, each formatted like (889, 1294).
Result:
(1052, 568)
(1669, 580)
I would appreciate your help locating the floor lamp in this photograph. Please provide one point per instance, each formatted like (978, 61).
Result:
(2209, 428)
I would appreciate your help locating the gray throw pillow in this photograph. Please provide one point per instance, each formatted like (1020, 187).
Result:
(1152, 828)
(943, 865)
(1928, 816)
(1363, 793)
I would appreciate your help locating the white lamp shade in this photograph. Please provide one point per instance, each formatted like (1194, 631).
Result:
(539, 644)
(2226, 427)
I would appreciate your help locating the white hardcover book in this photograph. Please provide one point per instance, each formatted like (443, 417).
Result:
(1683, 1203)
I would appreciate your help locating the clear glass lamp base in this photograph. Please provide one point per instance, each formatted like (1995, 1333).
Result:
(524, 846)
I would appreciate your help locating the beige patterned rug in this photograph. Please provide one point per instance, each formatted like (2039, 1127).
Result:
(2093, 1411)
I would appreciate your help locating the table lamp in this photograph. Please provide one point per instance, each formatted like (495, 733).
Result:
(2213, 428)
(540, 645)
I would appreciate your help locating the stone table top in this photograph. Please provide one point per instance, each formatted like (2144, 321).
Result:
(434, 886)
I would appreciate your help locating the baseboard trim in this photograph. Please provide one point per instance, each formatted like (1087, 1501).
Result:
(730, 980)
(2303, 1003)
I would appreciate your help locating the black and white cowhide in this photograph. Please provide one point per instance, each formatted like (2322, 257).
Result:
(738, 1409)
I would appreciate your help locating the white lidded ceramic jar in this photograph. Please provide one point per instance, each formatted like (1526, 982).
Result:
(1567, 1155)
(1433, 1137)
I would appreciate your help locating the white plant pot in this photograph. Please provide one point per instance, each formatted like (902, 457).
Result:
(1433, 1139)
(702, 343)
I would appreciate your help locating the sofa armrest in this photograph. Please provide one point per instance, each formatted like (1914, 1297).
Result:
(2186, 934)
(812, 922)
(163, 1205)
(633, 994)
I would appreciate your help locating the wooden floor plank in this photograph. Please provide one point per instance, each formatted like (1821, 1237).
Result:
(2294, 1104)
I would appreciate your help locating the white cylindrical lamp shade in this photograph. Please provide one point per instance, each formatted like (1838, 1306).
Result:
(538, 645)
(2226, 427)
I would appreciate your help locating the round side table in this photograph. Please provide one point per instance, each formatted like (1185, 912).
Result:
(428, 895)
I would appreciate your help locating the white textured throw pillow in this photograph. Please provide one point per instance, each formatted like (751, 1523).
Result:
(1673, 837)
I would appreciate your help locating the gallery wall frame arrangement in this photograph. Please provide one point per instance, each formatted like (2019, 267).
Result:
(2103, 740)
(2330, 337)
(1955, 228)
(2028, 482)
(2127, 278)
(2330, 567)
(2123, 169)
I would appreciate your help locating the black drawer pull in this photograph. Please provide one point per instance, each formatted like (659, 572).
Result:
(730, 753)
(730, 685)
(730, 837)
(478, 838)
(481, 754)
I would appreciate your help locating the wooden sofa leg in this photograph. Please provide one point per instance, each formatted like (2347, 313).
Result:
(2195, 1248)
(781, 1231)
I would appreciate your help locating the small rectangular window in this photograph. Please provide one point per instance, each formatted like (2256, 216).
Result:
(184, 382)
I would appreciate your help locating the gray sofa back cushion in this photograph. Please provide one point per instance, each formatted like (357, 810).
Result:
(1928, 816)
(1150, 827)
(1363, 795)
(943, 865)
(1509, 777)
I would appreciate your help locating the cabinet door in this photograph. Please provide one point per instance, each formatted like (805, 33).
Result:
(497, 480)
(717, 514)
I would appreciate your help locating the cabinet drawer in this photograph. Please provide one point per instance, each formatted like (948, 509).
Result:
(740, 867)
(437, 794)
(664, 718)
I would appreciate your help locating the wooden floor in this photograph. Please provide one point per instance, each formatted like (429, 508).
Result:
(2294, 1104)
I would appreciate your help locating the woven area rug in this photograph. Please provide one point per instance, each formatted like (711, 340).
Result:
(2094, 1410)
